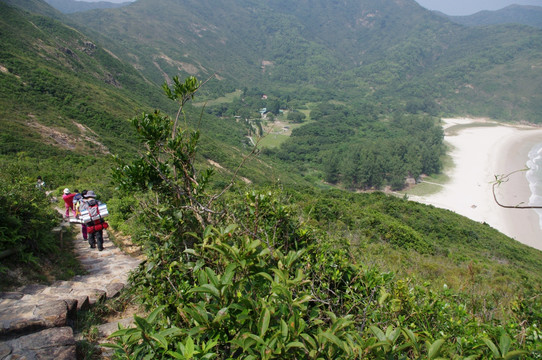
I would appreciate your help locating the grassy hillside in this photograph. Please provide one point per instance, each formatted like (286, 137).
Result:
(64, 96)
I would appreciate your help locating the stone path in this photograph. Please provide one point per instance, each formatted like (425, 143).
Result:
(36, 320)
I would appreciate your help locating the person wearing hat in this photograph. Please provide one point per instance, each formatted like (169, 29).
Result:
(68, 202)
(94, 237)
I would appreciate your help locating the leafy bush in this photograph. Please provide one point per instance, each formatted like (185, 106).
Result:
(241, 277)
(26, 217)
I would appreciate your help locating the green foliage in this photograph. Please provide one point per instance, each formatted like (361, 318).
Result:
(296, 116)
(26, 216)
(248, 279)
(355, 149)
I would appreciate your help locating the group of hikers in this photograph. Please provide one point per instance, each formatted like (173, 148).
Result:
(85, 208)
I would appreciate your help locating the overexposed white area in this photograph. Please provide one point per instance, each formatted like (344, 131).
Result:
(480, 151)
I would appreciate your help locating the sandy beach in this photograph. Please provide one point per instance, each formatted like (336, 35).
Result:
(481, 149)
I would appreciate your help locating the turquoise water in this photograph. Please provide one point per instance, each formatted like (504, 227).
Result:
(534, 176)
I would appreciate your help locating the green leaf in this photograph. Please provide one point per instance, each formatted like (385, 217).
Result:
(492, 347)
(212, 277)
(230, 228)
(210, 356)
(254, 244)
(142, 323)
(124, 332)
(154, 314)
(383, 296)
(258, 339)
(220, 315)
(302, 299)
(393, 334)
(504, 343)
(378, 333)
(514, 354)
(206, 289)
(333, 338)
(173, 331)
(189, 348)
(161, 340)
(309, 340)
(434, 349)
(207, 232)
(176, 355)
(264, 322)
(296, 344)
(265, 251)
(283, 328)
(265, 275)
(228, 274)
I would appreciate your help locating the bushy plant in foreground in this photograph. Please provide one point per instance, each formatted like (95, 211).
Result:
(244, 279)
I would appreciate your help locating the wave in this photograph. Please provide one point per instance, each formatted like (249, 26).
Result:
(534, 177)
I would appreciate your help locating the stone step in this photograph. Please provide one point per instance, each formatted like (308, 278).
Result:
(26, 317)
(56, 343)
(34, 319)
(110, 288)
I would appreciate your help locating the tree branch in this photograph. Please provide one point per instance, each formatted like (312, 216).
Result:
(499, 179)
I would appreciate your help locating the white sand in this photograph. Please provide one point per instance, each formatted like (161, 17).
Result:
(480, 152)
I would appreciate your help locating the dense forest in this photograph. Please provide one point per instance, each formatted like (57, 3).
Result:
(356, 149)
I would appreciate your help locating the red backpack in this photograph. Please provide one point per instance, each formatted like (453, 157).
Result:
(97, 220)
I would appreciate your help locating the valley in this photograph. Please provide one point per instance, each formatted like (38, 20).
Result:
(291, 248)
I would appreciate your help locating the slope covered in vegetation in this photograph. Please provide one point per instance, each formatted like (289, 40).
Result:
(391, 52)
(262, 274)
(267, 265)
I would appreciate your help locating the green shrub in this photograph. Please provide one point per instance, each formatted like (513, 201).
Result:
(26, 216)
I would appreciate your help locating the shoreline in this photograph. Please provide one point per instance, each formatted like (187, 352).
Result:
(481, 150)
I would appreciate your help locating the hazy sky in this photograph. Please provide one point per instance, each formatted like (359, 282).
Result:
(468, 7)
(450, 7)
(112, 1)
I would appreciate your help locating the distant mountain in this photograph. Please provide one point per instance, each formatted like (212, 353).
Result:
(379, 51)
(72, 6)
(513, 14)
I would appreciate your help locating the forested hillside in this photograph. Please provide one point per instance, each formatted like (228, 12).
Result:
(387, 52)
(250, 254)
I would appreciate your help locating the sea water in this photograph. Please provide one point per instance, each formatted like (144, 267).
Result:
(534, 177)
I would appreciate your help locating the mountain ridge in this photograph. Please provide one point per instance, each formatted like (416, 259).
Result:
(71, 6)
(386, 46)
(519, 14)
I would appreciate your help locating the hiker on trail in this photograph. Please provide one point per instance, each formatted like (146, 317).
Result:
(40, 184)
(77, 206)
(68, 202)
(94, 227)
